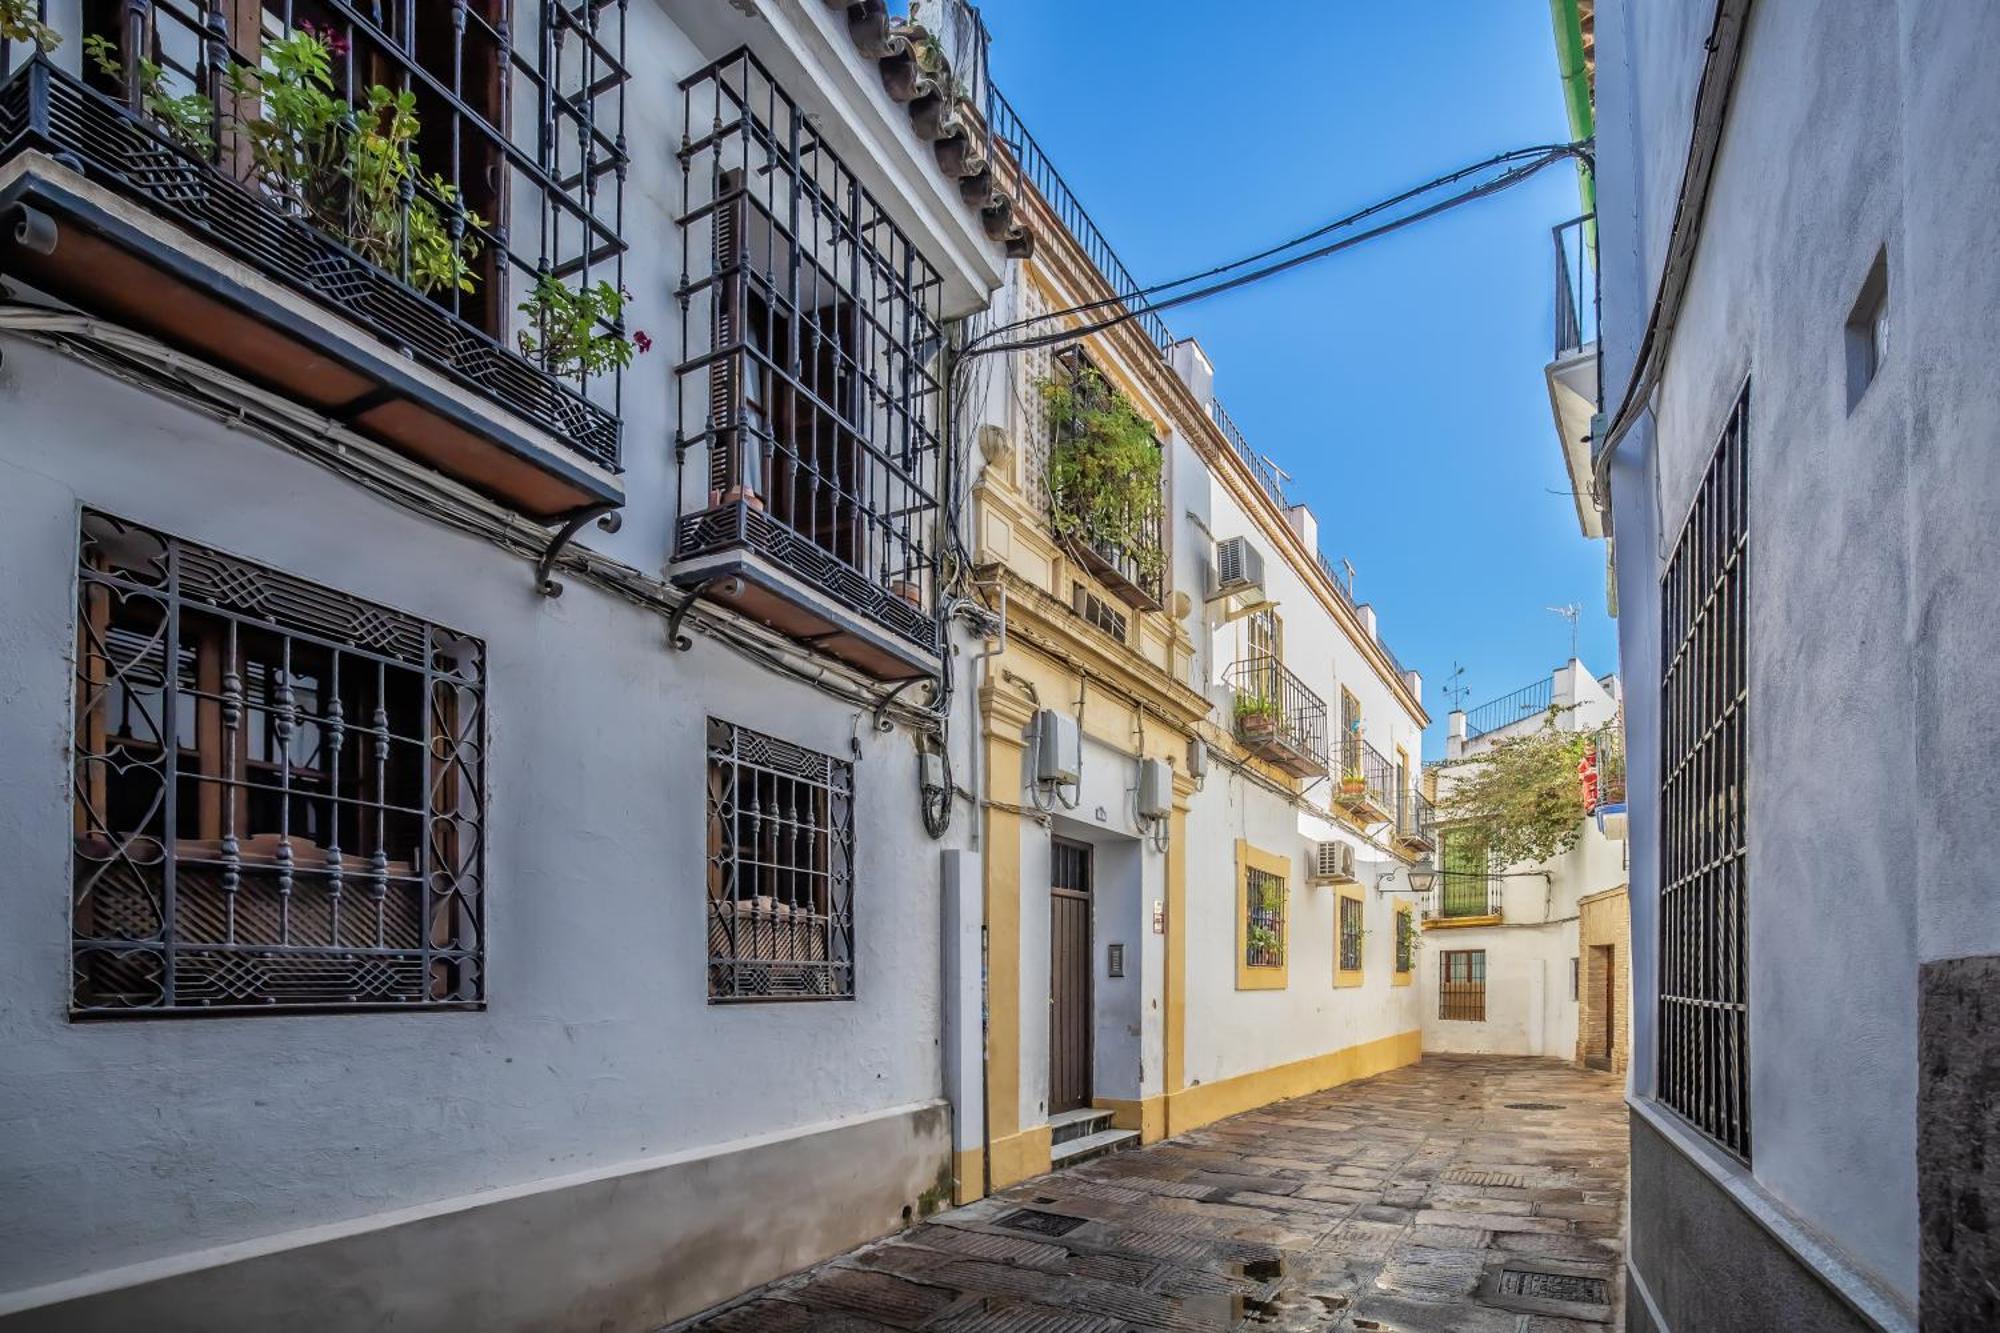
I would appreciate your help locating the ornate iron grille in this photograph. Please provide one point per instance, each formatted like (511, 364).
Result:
(1704, 697)
(1466, 883)
(1351, 934)
(810, 392)
(1366, 774)
(780, 870)
(1462, 985)
(1277, 716)
(279, 791)
(1263, 918)
(511, 174)
(1406, 942)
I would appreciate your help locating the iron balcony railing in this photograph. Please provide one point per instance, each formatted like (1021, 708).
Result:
(809, 395)
(1277, 717)
(1416, 818)
(1367, 776)
(496, 166)
(1576, 284)
(1465, 893)
(1528, 701)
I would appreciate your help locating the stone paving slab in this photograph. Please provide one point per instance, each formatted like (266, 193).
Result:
(1418, 1201)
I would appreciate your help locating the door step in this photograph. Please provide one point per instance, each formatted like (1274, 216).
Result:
(1065, 1126)
(1072, 1151)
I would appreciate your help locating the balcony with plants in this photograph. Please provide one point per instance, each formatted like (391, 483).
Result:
(809, 451)
(1367, 786)
(402, 216)
(1416, 821)
(1104, 472)
(1277, 718)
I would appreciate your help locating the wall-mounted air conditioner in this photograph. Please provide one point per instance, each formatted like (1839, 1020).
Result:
(1058, 748)
(1239, 569)
(1332, 863)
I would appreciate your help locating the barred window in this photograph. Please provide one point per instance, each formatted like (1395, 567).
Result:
(1264, 918)
(1462, 985)
(780, 869)
(1351, 933)
(278, 791)
(1704, 1031)
(1406, 941)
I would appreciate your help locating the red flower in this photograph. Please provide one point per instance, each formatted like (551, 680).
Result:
(641, 341)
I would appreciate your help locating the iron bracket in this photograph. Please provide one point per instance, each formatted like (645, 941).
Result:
(882, 722)
(607, 517)
(676, 640)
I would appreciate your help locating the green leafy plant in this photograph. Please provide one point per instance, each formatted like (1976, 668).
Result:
(1104, 468)
(566, 333)
(188, 119)
(1255, 707)
(18, 23)
(1264, 940)
(1524, 795)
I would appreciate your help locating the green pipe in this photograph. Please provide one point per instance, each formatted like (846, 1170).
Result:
(1576, 88)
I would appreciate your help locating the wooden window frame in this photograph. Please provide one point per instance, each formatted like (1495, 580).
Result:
(1474, 994)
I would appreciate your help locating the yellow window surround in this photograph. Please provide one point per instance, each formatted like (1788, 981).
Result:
(1264, 974)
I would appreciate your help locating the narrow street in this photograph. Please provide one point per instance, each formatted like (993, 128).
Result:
(1464, 1193)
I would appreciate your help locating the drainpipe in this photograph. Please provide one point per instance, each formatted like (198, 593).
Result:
(1575, 75)
(979, 818)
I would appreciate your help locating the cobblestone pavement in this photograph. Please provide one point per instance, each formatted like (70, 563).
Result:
(1464, 1193)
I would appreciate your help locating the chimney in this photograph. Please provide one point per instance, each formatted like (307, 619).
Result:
(1367, 614)
(1454, 733)
(1413, 681)
(1305, 525)
(1195, 369)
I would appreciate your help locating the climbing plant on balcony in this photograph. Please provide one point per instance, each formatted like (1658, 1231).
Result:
(574, 330)
(187, 119)
(1104, 467)
(1526, 794)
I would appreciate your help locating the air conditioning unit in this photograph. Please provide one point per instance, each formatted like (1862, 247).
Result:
(1156, 789)
(1058, 748)
(1239, 568)
(1332, 863)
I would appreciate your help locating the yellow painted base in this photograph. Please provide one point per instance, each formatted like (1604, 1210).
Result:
(1204, 1103)
(1020, 1156)
(969, 1176)
(1149, 1116)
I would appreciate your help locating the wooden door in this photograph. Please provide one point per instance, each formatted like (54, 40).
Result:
(1069, 977)
(1610, 1003)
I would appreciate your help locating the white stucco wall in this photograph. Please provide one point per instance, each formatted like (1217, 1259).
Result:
(135, 1140)
(1854, 129)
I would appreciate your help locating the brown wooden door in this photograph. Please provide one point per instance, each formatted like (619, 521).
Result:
(1069, 978)
(1610, 1004)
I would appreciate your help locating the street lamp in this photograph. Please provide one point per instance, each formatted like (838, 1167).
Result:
(1421, 877)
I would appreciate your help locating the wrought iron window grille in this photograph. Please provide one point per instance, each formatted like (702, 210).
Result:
(1462, 985)
(279, 791)
(780, 877)
(520, 164)
(1351, 935)
(809, 395)
(1406, 943)
(1704, 1033)
(1264, 918)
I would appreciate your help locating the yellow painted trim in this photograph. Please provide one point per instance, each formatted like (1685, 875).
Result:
(1344, 977)
(1460, 922)
(1020, 1156)
(1208, 1102)
(1250, 858)
(1396, 976)
(968, 1175)
(1176, 1036)
(1002, 893)
(1147, 1115)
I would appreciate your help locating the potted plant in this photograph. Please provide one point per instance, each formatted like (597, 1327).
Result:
(1353, 785)
(1263, 942)
(1256, 716)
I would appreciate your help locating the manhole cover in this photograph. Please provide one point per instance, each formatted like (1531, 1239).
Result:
(1040, 1223)
(1534, 1106)
(1554, 1287)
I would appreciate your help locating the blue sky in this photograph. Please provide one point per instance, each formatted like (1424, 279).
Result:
(1400, 383)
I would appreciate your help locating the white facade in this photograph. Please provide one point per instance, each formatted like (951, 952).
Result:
(1855, 136)
(596, 1146)
(1531, 953)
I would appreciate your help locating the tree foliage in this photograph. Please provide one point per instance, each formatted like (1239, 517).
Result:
(1525, 794)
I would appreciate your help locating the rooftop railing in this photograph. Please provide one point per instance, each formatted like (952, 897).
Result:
(1528, 701)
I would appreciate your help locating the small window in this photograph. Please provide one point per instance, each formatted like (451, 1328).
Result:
(1462, 985)
(1351, 934)
(780, 869)
(1406, 942)
(1097, 612)
(1868, 331)
(1264, 919)
(278, 791)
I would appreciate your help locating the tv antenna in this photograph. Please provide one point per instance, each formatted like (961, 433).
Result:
(1569, 611)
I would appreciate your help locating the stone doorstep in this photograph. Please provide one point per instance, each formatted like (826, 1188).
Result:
(1066, 1126)
(1073, 1152)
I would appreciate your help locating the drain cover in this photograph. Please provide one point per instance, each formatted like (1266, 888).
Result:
(1040, 1223)
(1534, 1106)
(1555, 1287)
